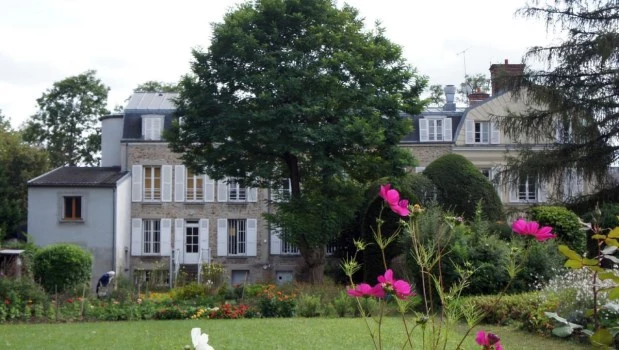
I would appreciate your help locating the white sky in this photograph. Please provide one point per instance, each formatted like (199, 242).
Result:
(132, 41)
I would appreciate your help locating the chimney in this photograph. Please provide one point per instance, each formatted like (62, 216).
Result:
(476, 97)
(450, 93)
(111, 133)
(504, 76)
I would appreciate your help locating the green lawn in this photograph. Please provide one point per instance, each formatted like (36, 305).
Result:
(283, 333)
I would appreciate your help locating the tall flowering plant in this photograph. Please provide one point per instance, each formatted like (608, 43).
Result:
(436, 325)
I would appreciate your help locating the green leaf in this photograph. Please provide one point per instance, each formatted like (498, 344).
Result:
(598, 236)
(563, 331)
(615, 232)
(596, 268)
(612, 242)
(590, 262)
(556, 317)
(570, 254)
(602, 337)
(608, 276)
(574, 264)
(614, 293)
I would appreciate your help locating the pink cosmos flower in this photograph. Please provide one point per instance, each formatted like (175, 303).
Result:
(392, 197)
(488, 340)
(401, 288)
(364, 289)
(531, 228)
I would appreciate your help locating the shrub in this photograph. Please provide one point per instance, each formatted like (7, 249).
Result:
(190, 291)
(342, 306)
(308, 306)
(565, 225)
(275, 303)
(489, 255)
(542, 264)
(21, 299)
(460, 185)
(62, 266)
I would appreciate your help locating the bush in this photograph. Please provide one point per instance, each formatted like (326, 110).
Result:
(460, 185)
(21, 299)
(342, 305)
(565, 224)
(489, 255)
(190, 291)
(308, 306)
(62, 266)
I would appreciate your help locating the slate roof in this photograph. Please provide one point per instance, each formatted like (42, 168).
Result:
(79, 177)
(141, 103)
(455, 116)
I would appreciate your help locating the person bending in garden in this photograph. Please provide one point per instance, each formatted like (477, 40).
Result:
(105, 281)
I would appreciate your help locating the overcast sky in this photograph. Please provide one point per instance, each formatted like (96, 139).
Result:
(132, 41)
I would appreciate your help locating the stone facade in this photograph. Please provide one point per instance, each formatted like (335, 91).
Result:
(427, 153)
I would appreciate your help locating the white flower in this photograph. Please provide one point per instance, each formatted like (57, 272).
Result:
(200, 340)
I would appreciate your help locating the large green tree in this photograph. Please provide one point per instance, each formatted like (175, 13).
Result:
(156, 86)
(67, 123)
(299, 89)
(573, 97)
(18, 164)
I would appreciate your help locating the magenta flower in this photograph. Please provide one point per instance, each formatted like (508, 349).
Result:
(365, 290)
(401, 288)
(488, 341)
(392, 197)
(531, 228)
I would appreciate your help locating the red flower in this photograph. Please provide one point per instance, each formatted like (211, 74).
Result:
(7, 301)
(531, 228)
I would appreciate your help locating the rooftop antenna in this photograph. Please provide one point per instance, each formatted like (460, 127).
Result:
(463, 53)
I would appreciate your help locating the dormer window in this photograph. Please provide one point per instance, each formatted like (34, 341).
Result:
(435, 129)
(152, 125)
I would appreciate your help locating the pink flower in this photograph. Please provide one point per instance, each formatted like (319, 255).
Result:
(392, 197)
(401, 288)
(488, 341)
(531, 228)
(365, 290)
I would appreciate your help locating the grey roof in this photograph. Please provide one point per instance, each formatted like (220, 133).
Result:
(141, 103)
(79, 177)
(456, 120)
(145, 102)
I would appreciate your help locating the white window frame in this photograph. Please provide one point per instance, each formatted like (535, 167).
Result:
(236, 193)
(193, 191)
(481, 133)
(151, 237)
(436, 129)
(152, 194)
(194, 226)
(152, 125)
(237, 237)
(289, 248)
(530, 190)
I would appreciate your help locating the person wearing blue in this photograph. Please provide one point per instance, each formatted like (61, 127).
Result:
(105, 281)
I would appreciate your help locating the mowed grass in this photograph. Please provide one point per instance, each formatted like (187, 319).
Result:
(282, 333)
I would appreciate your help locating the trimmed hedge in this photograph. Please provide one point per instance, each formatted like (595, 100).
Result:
(565, 224)
(460, 186)
(61, 267)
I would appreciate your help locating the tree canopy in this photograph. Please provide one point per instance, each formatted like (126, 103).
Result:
(157, 86)
(298, 89)
(67, 122)
(573, 98)
(18, 164)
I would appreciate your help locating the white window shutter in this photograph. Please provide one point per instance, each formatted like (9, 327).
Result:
(252, 194)
(447, 129)
(252, 237)
(495, 134)
(222, 190)
(276, 242)
(204, 239)
(423, 130)
(166, 237)
(222, 237)
(179, 235)
(209, 189)
(136, 237)
(513, 193)
(166, 183)
(157, 127)
(469, 132)
(146, 128)
(542, 193)
(179, 183)
(136, 183)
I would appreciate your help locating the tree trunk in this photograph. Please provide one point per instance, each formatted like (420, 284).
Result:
(315, 261)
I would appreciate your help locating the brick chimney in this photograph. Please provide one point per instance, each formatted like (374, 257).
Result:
(476, 97)
(504, 76)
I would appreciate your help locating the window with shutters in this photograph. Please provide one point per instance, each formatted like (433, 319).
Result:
(151, 127)
(192, 236)
(72, 208)
(435, 130)
(152, 183)
(194, 187)
(482, 132)
(527, 189)
(289, 248)
(237, 236)
(151, 236)
(236, 193)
